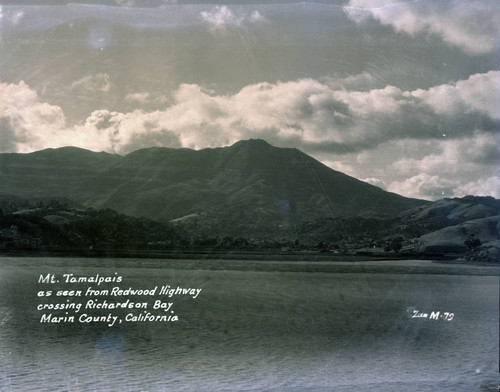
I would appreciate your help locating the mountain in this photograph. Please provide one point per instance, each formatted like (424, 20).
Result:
(249, 188)
(250, 195)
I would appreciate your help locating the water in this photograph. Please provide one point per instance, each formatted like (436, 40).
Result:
(261, 326)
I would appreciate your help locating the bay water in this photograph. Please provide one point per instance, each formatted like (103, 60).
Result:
(255, 326)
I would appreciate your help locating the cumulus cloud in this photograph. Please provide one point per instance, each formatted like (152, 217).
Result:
(456, 167)
(470, 25)
(348, 120)
(490, 186)
(307, 113)
(433, 187)
(469, 155)
(27, 124)
(21, 113)
(100, 82)
(480, 93)
(424, 186)
(221, 17)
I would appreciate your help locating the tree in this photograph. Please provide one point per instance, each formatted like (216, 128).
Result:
(472, 243)
(396, 244)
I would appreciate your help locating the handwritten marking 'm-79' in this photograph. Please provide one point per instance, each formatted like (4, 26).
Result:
(435, 315)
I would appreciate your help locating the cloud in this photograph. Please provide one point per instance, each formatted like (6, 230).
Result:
(144, 98)
(24, 120)
(469, 155)
(480, 93)
(455, 168)
(348, 168)
(375, 181)
(100, 82)
(483, 187)
(469, 24)
(27, 124)
(221, 17)
(435, 187)
(308, 113)
(138, 97)
(359, 82)
(341, 120)
(424, 186)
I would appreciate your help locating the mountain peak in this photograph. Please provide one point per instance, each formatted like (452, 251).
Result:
(253, 143)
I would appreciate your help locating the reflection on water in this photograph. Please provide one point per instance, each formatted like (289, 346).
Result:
(257, 330)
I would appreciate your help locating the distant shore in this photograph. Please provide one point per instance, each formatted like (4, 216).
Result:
(208, 253)
(252, 262)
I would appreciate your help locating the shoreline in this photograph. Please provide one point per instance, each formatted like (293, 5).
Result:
(341, 265)
(207, 253)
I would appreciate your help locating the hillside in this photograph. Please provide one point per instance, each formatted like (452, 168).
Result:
(249, 188)
(469, 225)
(50, 226)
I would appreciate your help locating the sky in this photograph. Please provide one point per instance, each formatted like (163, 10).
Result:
(404, 95)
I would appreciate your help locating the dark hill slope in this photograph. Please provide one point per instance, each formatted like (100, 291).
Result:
(51, 173)
(251, 185)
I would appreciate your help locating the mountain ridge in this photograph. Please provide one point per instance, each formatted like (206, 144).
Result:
(250, 186)
(250, 195)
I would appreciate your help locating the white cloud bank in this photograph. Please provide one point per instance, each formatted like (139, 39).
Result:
(459, 167)
(305, 111)
(473, 25)
(461, 118)
(27, 124)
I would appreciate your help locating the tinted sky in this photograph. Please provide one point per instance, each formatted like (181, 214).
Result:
(404, 95)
